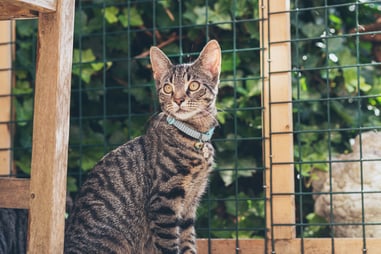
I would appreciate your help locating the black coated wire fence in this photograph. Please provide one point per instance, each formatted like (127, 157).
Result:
(336, 101)
(336, 104)
(113, 95)
(336, 97)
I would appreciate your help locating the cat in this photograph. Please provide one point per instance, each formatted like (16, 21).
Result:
(142, 197)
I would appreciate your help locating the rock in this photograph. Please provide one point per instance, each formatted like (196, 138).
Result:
(348, 181)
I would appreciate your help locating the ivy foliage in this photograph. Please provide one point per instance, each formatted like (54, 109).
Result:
(113, 94)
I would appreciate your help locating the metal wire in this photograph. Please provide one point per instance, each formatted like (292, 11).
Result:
(112, 104)
(328, 102)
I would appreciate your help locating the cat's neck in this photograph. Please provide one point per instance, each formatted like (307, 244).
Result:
(191, 132)
(202, 122)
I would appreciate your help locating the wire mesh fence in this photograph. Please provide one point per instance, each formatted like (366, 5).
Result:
(328, 189)
(113, 95)
(17, 81)
(335, 101)
(338, 84)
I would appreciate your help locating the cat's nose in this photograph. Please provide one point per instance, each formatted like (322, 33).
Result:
(179, 100)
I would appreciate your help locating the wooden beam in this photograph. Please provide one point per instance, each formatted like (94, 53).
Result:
(328, 245)
(14, 193)
(51, 130)
(292, 246)
(10, 9)
(277, 115)
(43, 6)
(6, 49)
(229, 246)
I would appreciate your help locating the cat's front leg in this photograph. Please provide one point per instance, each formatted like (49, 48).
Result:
(164, 226)
(187, 236)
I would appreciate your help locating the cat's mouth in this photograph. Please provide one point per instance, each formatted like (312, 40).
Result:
(182, 112)
(184, 115)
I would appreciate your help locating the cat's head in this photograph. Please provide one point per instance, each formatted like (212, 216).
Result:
(188, 92)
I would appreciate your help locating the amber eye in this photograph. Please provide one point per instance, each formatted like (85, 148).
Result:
(193, 86)
(167, 88)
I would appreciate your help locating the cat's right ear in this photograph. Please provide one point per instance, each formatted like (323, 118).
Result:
(160, 62)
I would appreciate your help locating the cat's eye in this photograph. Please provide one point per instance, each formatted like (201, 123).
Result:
(194, 86)
(167, 88)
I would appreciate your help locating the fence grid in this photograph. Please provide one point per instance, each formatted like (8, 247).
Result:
(299, 111)
(335, 87)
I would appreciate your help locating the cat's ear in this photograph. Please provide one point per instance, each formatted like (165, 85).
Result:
(210, 59)
(160, 62)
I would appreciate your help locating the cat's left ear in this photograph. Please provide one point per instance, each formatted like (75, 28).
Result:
(210, 59)
(160, 62)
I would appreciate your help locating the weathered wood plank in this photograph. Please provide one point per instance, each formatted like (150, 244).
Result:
(14, 193)
(43, 6)
(10, 9)
(277, 115)
(292, 246)
(326, 246)
(51, 130)
(6, 48)
(229, 246)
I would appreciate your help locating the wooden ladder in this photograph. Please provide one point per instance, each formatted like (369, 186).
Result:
(44, 194)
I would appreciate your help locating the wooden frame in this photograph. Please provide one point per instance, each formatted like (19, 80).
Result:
(277, 115)
(45, 193)
(278, 154)
(278, 138)
(14, 193)
(51, 129)
(277, 103)
(292, 246)
(25, 8)
(6, 49)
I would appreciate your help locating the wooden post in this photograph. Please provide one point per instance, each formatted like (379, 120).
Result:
(6, 49)
(51, 130)
(14, 193)
(277, 115)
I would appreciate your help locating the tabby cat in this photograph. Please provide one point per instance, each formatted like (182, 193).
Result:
(142, 196)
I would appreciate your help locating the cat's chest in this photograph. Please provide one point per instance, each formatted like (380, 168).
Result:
(202, 154)
(196, 180)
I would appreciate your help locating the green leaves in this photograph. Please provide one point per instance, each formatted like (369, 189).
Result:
(110, 14)
(230, 212)
(84, 64)
(126, 17)
(131, 17)
(83, 56)
(312, 30)
(317, 227)
(204, 14)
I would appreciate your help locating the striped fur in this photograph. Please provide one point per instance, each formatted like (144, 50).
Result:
(142, 197)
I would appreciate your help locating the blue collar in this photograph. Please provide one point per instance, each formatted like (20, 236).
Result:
(204, 137)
